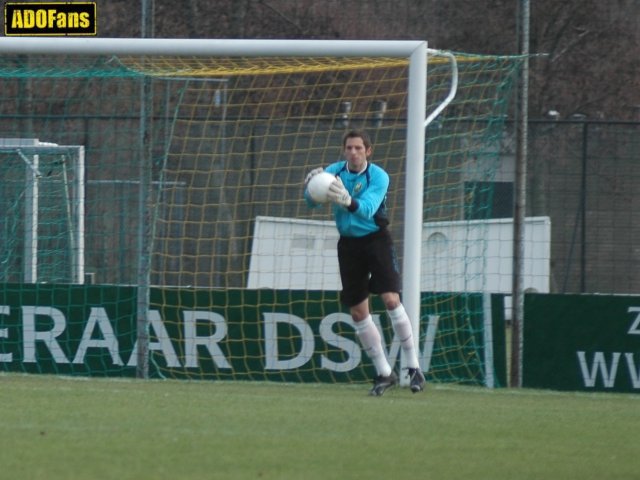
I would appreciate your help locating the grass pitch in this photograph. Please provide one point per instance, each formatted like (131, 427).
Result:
(69, 428)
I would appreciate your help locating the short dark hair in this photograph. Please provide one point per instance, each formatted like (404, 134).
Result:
(357, 134)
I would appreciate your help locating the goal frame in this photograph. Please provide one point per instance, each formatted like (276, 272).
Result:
(29, 150)
(415, 51)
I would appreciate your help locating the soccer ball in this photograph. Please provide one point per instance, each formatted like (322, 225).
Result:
(318, 186)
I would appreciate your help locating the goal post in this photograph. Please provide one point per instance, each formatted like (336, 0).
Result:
(43, 188)
(189, 142)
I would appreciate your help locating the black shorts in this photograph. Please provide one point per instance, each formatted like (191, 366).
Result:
(367, 265)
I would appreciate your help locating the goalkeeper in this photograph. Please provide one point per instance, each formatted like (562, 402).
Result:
(367, 257)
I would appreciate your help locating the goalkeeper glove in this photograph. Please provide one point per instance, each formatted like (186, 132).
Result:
(312, 174)
(338, 194)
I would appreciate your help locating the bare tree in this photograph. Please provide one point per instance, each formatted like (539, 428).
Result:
(590, 59)
(587, 51)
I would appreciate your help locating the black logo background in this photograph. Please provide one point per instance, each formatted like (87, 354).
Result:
(88, 8)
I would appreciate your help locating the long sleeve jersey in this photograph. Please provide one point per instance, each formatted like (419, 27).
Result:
(369, 190)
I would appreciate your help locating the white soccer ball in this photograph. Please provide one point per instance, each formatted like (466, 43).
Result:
(318, 186)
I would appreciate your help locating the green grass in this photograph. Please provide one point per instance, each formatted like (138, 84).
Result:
(62, 428)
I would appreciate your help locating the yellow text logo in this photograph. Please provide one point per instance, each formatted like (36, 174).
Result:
(50, 19)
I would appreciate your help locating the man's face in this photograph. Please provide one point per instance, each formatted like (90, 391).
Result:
(356, 153)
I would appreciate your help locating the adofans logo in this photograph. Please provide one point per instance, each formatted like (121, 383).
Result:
(50, 19)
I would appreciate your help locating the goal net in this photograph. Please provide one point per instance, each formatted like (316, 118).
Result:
(185, 249)
(43, 205)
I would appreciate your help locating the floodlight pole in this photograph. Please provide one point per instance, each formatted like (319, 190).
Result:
(145, 193)
(522, 114)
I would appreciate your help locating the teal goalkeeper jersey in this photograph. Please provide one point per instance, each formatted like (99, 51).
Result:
(369, 190)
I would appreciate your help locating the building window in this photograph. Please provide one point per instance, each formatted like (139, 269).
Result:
(484, 200)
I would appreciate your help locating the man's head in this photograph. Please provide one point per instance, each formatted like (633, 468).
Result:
(357, 148)
(366, 141)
